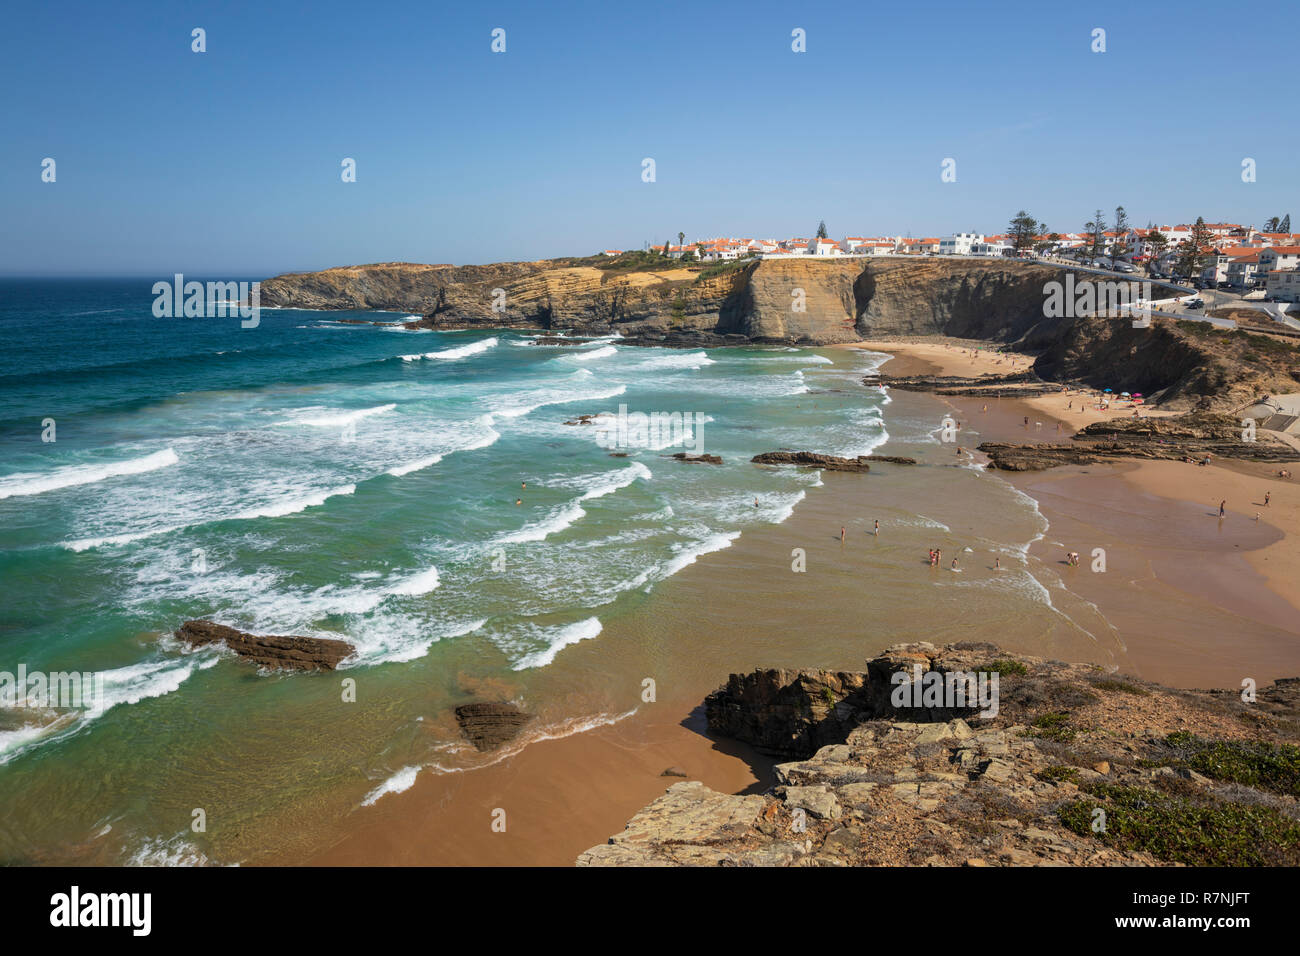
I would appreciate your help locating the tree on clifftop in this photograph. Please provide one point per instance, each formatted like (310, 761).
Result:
(821, 230)
(1191, 254)
(1022, 229)
(1271, 224)
(1121, 227)
(1285, 224)
(1097, 230)
(681, 238)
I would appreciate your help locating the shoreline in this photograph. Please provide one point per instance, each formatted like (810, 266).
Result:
(566, 794)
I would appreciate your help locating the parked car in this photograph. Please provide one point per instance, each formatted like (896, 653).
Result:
(1124, 267)
(1194, 304)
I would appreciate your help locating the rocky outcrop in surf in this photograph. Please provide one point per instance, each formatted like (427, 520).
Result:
(269, 650)
(491, 725)
(813, 460)
(1077, 766)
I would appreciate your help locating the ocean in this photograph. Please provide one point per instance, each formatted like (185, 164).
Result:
(417, 494)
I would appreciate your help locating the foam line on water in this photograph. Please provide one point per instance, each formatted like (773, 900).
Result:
(70, 476)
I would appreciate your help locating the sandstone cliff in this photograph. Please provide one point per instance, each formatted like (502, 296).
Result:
(842, 300)
(652, 301)
(1077, 767)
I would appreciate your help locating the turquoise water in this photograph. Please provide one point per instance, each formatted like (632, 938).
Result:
(316, 477)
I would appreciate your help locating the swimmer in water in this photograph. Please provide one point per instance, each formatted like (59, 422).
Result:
(519, 501)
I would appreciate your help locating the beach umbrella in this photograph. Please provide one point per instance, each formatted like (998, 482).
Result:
(1106, 390)
(1137, 394)
(1123, 395)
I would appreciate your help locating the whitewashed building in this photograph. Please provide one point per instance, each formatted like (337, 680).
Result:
(960, 244)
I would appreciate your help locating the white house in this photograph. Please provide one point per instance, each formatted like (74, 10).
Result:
(992, 246)
(1278, 258)
(960, 244)
(1284, 285)
(1242, 269)
(824, 247)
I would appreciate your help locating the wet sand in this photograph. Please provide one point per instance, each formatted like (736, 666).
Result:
(1185, 600)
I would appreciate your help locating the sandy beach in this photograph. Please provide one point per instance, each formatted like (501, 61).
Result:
(1185, 599)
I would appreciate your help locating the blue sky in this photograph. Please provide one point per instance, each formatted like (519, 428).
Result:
(228, 162)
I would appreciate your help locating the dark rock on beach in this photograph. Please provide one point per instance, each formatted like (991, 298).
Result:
(814, 460)
(269, 650)
(489, 725)
(697, 459)
(1193, 436)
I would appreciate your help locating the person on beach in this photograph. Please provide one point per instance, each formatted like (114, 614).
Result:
(1267, 495)
(876, 529)
(1221, 506)
(997, 563)
(841, 534)
(954, 565)
(984, 409)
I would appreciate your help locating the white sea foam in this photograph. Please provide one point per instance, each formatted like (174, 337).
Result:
(458, 352)
(678, 360)
(72, 475)
(403, 780)
(339, 419)
(558, 639)
(417, 584)
(689, 554)
(597, 486)
(419, 464)
(542, 398)
(274, 509)
(176, 851)
(122, 685)
(605, 351)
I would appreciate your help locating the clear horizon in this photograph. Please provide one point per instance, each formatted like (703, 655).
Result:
(228, 162)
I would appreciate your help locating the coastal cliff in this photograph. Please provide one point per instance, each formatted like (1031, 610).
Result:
(842, 300)
(649, 300)
(1072, 766)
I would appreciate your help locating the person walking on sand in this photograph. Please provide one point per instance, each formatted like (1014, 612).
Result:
(1267, 495)
(877, 528)
(997, 564)
(1221, 506)
(841, 534)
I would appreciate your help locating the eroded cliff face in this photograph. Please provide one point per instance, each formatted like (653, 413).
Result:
(807, 301)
